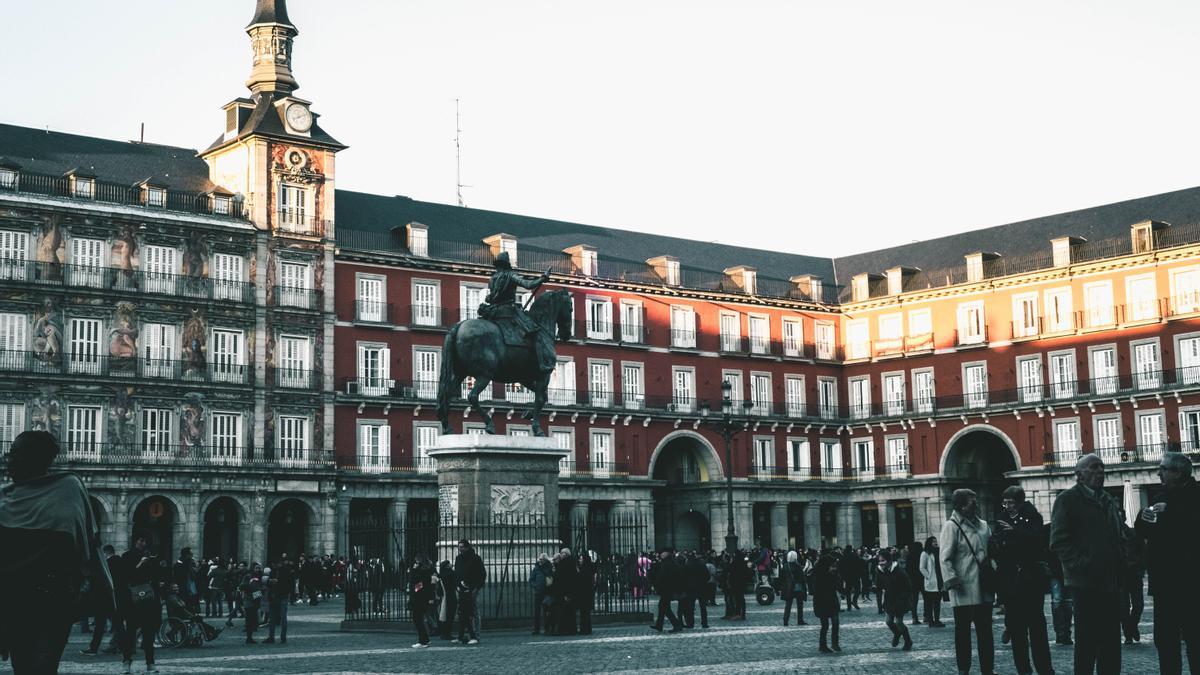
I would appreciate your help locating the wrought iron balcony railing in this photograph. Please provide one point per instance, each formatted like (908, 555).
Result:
(103, 365)
(162, 199)
(77, 452)
(70, 275)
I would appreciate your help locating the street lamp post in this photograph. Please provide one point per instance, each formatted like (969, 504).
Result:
(726, 425)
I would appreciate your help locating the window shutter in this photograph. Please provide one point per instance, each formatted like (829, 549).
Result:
(385, 365)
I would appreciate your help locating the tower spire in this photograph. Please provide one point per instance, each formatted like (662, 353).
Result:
(271, 34)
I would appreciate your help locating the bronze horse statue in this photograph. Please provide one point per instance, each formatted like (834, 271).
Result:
(476, 348)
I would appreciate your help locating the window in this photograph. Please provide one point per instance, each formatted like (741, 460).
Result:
(923, 390)
(1143, 240)
(864, 458)
(1108, 437)
(764, 455)
(896, 448)
(1029, 372)
(293, 439)
(156, 197)
(1104, 370)
(974, 268)
(799, 459)
(14, 251)
(685, 389)
(971, 327)
(425, 438)
(426, 309)
(13, 329)
(599, 319)
(85, 346)
(683, 327)
(158, 266)
(1061, 250)
(760, 334)
(736, 390)
(564, 439)
(760, 394)
(860, 397)
(12, 422)
(562, 383)
(221, 206)
(1187, 358)
(1098, 301)
(748, 281)
(157, 430)
(1062, 374)
(470, 296)
(293, 207)
(374, 447)
(975, 384)
(815, 292)
(858, 339)
(601, 457)
(1025, 315)
(225, 436)
(600, 389)
(1059, 312)
(672, 270)
(731, 332)
(374, 369)
(1141, 295)
(920, 322)
(858, 288)
(1146, 374)
(229, 357)
(509, 246)
(425, 372)
(83, 188)
(794, 395)
(631, 322)
(370, 299)
(1151, 436)
(891, 328)
(1189, 429)
(418, 241)
(294, 368)
(8, 179)
(633, 386)
(158, 350)
(827, 399)
(823, 336)
(227, 277)
(588, 262)
(893, 393)
(1185, 289)
(83, 432)
(793, 337)
(294, 285)
(87, 262)
(831, 459)
(1066, 440)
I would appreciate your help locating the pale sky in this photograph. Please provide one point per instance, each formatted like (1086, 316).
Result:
(822, 128)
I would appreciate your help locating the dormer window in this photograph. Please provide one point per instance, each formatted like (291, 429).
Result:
(895, 281)
(155, 196)
(748, 278)
(1061, 249)
(503, 243)
(859, 288)
(1143, 235)
(418, 240)
(672, 275)
(83, 187)
(974, 267)
(222, 205)
(744, 277)
(667, 269)
(8, 178)
(584, 258)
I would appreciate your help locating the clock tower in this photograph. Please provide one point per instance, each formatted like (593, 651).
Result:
(274, 156)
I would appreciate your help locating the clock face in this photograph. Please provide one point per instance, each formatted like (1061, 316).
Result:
(298, 117)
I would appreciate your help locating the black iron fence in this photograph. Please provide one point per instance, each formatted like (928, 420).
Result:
(377, 581)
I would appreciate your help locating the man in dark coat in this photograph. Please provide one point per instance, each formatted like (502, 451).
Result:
(469, 570)
(695, 576)
(585, 590)
(1021, 560)
(1170, 528)
(1086, 533)
(541, 573)
(666, 580)
(565, 590)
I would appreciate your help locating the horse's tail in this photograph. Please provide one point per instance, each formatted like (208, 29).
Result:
(446, 376)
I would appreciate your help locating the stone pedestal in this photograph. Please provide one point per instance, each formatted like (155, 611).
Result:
(487, 479)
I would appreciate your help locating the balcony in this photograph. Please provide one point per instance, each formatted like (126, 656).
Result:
(430, 317)
(83, 454)
(732, 344)
(296, 297)
(29, 183)
(595, 330)
(569, 468)
(102, 365)
(370, 311)
(768, 473)
(683, 339)
(295, 378)
(297, 222)
(67, 275)
(888, 347)
(633, 334)
(793, 348)
(922, 342)
(971, 338)
(898, 470)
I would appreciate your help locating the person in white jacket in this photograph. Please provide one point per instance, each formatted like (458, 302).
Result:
(964, 550)
(931, 572)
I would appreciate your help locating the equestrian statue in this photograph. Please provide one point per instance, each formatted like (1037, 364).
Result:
(505, 344)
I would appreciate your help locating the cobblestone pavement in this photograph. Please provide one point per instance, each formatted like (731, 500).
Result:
(760, 645)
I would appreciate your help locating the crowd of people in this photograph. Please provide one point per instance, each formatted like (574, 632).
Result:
(1087, 558)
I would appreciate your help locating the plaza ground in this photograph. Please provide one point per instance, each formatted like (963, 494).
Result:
(760, 645)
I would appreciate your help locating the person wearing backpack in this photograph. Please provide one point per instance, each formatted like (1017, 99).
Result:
(965, 538)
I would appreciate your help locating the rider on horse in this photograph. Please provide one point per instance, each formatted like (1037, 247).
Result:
(501, 307)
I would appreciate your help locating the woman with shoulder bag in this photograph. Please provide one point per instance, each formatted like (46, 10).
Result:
(931, 573)
(968, 573)
(795, 588)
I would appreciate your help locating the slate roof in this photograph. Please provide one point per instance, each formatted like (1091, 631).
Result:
(266, 120)
(271, 11)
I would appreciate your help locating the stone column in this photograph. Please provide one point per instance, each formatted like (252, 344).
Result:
(342, 523)
(920, 517)
(718, 521)
(812, 525)
(887, 523)
(936, 511)
(189, 524)
(122, 521)
(779, 525)
(743, 514)
(579, 513)
(850, 524)
(254, 544)
(398, 512)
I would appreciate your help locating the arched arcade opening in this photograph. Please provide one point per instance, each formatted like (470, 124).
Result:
(978, 457)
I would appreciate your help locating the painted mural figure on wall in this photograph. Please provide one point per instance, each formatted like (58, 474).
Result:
(48, 334)
(124, 258)
(122, 431)
(51, 251)
(45, 412)
(122, 337)
(191, 428)
(195, 348)
(195, 262)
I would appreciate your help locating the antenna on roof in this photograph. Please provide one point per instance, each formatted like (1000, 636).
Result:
(458, 156)
(142, 136)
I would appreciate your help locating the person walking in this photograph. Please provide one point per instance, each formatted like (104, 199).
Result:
(852, 574)
(666, 577)
(420, 599)
(826, 605)
(470, 572)
(105, 614)
(910, 562)
(897, 588)
(1169, 528)
(540, 578)
(448, 601)
(697, 575)
(252, 598)
(585, 590)
(795, 588)
(931, 574)
(279, 597)
(1025, 580)
(51, 549)
(1086, 533)
(965, 539)
(144, 573)
(216, 589)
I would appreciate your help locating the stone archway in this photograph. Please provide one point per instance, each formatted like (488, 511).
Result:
(685, 457)
(156, 518)
(289, 526)
(691, 469)
(978, 457)
(223, 518)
